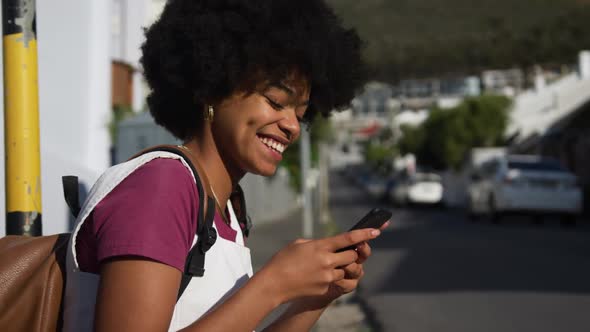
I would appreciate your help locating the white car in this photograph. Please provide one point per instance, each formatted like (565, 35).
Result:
(528, 184)
(420, 188)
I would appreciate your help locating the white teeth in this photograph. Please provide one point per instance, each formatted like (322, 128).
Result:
(273, 144)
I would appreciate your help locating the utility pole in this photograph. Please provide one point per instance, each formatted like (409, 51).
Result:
(305, 152)
(21, 119)
(324, 184)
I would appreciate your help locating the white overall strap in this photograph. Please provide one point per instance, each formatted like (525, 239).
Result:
(228, 267)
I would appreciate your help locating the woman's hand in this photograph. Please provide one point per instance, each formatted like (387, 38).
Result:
(313, 268)
(353, 273)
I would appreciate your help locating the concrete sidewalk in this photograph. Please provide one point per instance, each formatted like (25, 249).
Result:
(265, 240)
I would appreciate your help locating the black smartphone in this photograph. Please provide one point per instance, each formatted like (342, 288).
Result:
(374, 219)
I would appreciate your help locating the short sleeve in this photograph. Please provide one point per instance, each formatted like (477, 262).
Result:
(152, 214)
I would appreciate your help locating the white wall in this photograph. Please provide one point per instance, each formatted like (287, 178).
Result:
(127, 34)
(129, 19)
(74, 100)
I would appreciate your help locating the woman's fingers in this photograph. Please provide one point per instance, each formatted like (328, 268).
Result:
(346, 285)
(364, 251)
(350, 238)
(343, 258)
(353, 271)
(352, 275)
(338, 275)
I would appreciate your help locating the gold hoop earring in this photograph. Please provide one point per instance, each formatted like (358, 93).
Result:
(209, 114)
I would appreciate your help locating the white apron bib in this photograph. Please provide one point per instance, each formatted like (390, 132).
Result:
(227, 264)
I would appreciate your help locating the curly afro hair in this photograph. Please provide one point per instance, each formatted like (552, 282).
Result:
(202, 51)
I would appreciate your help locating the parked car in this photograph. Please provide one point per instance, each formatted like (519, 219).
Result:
(529, 184)
(420, 188)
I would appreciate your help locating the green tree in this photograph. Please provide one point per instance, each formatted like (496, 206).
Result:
(446, 137)
(119, 114)
(485, 118)
(413, 139)
(379, 154)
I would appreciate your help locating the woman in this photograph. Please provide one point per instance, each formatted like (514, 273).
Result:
(234, 80)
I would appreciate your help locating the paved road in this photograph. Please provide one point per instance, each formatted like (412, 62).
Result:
(435, 271)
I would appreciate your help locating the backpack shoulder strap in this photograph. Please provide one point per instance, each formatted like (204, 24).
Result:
(238, 202)
(71, 193)
(206, 234)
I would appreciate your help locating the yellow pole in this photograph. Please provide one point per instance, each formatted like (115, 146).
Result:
(21, 119)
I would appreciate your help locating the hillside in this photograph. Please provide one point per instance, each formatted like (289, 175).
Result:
(412, 38)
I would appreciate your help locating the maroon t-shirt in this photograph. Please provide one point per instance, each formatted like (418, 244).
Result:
(151, 214)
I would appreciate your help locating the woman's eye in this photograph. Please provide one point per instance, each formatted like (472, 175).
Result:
(274, 104)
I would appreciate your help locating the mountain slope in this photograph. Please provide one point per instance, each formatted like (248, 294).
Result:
(423, 37)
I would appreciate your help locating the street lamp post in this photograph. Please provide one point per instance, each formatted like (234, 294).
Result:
(305, 151)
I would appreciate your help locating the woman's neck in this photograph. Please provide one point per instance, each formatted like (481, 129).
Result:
(217, 171)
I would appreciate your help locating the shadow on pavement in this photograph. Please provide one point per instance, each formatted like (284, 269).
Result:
(464, 257)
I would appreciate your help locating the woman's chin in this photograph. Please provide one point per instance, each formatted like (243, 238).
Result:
(265, 171)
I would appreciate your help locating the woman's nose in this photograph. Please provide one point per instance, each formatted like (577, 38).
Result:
(290, 125)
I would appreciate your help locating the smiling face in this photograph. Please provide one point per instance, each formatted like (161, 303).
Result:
(252, 130)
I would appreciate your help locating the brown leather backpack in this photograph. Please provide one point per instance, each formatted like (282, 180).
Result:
(32, 270)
